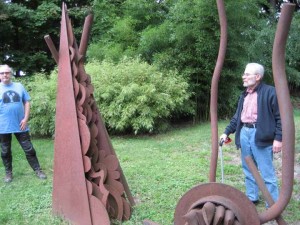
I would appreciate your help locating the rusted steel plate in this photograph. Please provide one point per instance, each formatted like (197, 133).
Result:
(98, 212)
(191, 217)
(229, 217)
(87, 164)
(236, 222)
(68, 164)
(102, 185)
(126, 210)
(85, 34)
(218, 194)
(85, 136)
(52, 48)
(199, 214)
(219, 215)
(208, 212)
(114, 203)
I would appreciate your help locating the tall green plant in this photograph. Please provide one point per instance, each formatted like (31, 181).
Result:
(134, 96)
(42, 90)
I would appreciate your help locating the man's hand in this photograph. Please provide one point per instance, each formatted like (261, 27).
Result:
(277, 146)
(223, 138)
(23, 124)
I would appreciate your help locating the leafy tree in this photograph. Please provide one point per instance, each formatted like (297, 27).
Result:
(265, 37)
(118, 24)
(23, 25)
(146, 13)
(181, 35)
(106, 13)
(188, 40)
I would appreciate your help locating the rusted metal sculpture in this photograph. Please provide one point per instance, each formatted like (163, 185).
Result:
(215, 203)
(262, 187)
(89, 186)
(286, 113)
(227, 205)
(214, 90)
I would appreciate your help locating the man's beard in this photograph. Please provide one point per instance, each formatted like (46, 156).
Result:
(249, 83)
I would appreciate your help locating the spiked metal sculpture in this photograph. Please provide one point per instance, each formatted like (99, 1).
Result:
(89, 186)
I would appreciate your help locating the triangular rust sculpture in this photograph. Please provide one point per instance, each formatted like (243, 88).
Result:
(89, 186)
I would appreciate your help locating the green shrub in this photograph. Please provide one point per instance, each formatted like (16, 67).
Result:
(134, 96)
(42, 90)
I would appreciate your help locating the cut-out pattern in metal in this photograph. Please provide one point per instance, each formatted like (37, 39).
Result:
(89, 186)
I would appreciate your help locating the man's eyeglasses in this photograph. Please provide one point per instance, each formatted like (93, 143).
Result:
(248, 74)
(6, 73)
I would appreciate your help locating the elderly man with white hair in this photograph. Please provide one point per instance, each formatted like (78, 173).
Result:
(257, 128)
(14, 115)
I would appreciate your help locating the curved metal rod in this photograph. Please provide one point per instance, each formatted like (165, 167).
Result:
(262, 187)
(286, 113)
(214, 91)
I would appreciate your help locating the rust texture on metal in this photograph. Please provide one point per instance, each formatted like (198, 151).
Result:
(219, 215)
(85, 34)
(216, 203)
(208, 212)
(51, 48)
(263, 188)
(214, 90)
(286, 113)
(89, 186)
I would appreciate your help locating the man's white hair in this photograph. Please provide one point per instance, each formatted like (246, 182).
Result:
(5, 66)
(258, 68)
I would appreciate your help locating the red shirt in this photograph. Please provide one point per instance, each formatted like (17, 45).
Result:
(249, 112)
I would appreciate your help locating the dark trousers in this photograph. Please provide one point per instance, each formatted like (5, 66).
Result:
(25, 142)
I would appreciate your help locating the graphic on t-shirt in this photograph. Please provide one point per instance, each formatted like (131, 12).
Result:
(10, 97)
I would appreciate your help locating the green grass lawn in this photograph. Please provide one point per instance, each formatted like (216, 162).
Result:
(159, 170)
